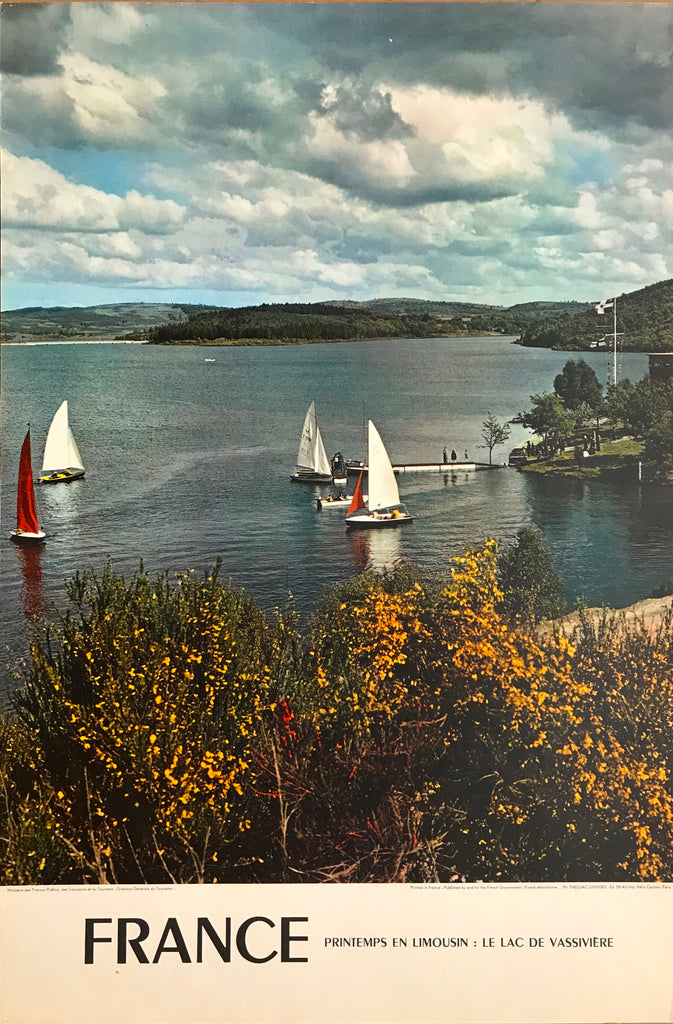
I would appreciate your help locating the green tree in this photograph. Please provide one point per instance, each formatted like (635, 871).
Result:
(493, 433)
(578, 385)
(647, 405)
(659, 443)
(581, 415)
(530, 587)
(550, 421)
(618, 401)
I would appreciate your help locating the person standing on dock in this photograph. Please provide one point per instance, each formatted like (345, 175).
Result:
(445, 456)
(453, 455)
(466, 456)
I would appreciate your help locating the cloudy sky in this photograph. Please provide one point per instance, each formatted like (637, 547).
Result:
(244, 153)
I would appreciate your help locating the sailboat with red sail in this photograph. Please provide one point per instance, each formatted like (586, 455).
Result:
(382, 506)
(27, 527)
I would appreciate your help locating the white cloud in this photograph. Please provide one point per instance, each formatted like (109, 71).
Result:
(107, 22)
(109, 105)
(384, 161)
(588, 214)
(37, 196)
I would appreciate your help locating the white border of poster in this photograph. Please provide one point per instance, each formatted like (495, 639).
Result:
(388, 954)
(362, 954)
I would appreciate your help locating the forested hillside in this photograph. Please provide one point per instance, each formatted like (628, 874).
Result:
(299, 322)
(644, 323)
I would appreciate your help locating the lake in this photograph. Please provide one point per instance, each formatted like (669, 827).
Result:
(188, 460)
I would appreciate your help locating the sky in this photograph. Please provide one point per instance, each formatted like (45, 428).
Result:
(235, 154)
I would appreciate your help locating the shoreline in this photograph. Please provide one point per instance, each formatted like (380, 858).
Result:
(651, 611)
(73, 341)
(242, 342)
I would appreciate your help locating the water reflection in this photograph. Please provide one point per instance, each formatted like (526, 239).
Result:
(63, 500)
(452, 477)
(376, 549)
(611, 539)
(33, 600)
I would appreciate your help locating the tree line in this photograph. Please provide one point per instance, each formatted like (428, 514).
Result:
(296, 322)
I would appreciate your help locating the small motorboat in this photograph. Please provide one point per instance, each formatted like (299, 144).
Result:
(334, 501)
(62, 461)
(382, 507)
(27, 527)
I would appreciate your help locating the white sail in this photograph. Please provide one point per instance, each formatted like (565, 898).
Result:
(311, 455)
(305, 455)
(60, 451)
(320, 460)
(383, 490)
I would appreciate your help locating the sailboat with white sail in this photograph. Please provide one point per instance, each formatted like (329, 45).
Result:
(312, 462)
(382, 506)
(27, 528)
(62, 461)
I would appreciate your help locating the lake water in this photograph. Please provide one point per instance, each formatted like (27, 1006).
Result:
(188, 460)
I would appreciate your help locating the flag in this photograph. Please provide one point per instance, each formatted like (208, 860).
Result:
(606, 304)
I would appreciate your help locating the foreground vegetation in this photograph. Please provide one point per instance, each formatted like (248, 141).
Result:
(420, 731)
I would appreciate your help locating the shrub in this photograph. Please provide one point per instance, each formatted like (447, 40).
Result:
(144, 705)
(169, 732)
(531, 590)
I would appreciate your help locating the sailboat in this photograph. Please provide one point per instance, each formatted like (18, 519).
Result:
(62, 461)
(312, 462)
(382, 506)
(27, 528)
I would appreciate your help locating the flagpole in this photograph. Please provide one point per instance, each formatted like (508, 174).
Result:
(614, 341)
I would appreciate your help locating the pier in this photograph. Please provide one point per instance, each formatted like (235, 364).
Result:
(428, 467)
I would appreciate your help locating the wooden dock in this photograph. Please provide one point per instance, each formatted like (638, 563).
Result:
(429, 467)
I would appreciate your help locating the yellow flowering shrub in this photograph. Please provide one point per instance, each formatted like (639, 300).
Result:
(170, 732)
(536, 769)
(145, 707)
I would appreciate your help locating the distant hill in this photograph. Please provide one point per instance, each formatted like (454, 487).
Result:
(645, 317)
(408, 306)
(549, 308)
(644, 323)
(38, 323)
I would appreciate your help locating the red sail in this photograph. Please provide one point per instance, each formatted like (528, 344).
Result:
(358, 501)
(26, 516)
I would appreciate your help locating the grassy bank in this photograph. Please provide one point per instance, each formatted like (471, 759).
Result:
(615, 456)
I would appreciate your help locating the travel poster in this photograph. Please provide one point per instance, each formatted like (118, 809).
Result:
(337, 567)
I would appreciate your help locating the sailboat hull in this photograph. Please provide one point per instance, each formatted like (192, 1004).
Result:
(62, 476)
(24, 537)
(378, 520)
(309, 477)
(331, 502)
